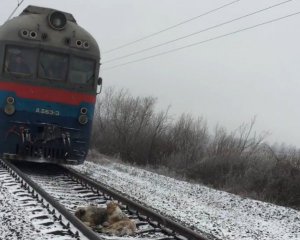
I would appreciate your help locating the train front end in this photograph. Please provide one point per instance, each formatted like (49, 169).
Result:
(48, 86)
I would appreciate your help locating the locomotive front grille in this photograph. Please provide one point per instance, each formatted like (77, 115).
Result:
(46, 152)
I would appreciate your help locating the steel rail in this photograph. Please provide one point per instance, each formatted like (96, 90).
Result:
(83, 229)
(163, 221)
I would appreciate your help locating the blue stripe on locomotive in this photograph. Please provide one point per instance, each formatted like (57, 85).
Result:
(26, 115)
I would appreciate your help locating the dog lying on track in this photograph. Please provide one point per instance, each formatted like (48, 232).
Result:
(109, 220)
(91, 216)
(117, 222)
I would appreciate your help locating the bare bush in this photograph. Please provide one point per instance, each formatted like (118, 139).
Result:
(241, 142)
(228, 155)
(186, 142)
(128, 126)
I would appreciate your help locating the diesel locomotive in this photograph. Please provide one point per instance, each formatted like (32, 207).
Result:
(48, 87)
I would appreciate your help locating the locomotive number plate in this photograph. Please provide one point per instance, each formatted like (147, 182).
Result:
(47, 111)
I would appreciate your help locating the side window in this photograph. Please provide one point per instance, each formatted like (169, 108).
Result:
(19, 60)
(82, 71)
(53, 66)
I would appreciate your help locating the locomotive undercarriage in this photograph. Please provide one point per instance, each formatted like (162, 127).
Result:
(45, 143)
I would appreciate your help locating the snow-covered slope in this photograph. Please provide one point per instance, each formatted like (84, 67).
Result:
(221, 214)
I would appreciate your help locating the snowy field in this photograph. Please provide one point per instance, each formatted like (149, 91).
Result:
(224, 215)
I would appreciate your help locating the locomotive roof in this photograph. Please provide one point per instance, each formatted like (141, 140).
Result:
(35, 19)
(41, 10)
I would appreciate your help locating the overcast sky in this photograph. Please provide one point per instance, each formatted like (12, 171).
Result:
(227, 81)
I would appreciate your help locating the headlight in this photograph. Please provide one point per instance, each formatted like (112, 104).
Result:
(57, 20)
(83, 110)
(83, 119)
(10, 100)
(9, 109)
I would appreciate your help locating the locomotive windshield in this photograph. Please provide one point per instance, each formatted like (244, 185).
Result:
(19, 61)
(81, 71)
(53, 66)
(70, 69)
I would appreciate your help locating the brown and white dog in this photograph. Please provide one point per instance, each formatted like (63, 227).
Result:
(92, 216)
(117, 222)
(121, 228)
(113, 220)
(114, 213)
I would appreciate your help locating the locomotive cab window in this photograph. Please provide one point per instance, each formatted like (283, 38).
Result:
(19, 61)
(53, 66)
(82, 71)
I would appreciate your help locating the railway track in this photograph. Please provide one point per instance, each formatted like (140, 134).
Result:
(61, 190)
(47, 214)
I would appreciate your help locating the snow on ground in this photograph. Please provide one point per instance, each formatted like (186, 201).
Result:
(224, 215)
(22, 217)
(15, 223)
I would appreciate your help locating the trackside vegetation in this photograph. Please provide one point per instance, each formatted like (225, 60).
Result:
(239, 161)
